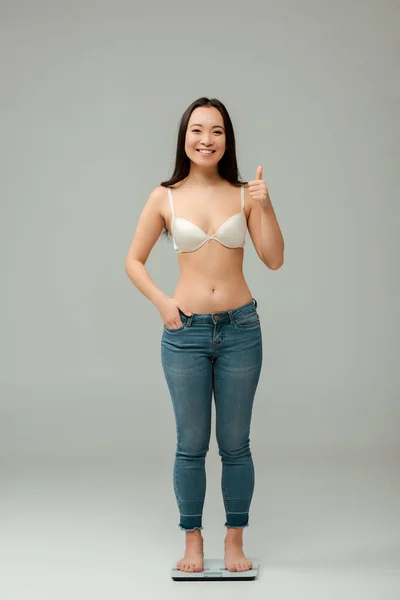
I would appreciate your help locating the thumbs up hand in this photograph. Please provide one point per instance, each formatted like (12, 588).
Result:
(258, 188)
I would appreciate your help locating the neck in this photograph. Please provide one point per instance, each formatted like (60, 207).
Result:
(205, 177)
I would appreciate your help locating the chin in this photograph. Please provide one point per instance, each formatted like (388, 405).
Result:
(211, 159)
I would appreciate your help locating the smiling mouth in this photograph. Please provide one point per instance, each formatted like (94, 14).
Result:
(198, 150)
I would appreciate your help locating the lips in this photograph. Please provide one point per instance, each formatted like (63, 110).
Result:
(198, 150)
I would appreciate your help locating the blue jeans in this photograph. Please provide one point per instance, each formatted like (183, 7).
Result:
(222, 353)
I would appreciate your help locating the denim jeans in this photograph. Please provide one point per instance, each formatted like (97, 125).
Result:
(218, 353)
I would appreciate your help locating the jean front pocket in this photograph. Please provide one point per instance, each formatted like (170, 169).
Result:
(246, 319)
(184, 320)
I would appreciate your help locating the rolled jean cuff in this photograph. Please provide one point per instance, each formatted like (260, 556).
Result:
(237, 520)
(190, 522)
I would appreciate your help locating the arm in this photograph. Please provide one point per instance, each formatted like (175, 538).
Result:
(265, 232)
(147, 232)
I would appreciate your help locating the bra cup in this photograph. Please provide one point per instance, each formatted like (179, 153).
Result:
(187, 236)
(232, 232)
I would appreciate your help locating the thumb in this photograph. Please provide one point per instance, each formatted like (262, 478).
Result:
(185, 312)
(259, 172)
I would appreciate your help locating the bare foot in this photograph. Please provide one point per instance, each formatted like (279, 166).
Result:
(193, 561)
(235, 560)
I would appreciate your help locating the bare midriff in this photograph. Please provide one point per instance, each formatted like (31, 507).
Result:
(211, 279)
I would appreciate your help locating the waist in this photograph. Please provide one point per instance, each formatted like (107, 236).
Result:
(202, 297)
(221, 317)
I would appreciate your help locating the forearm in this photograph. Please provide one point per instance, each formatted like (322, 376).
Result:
(140, 278)
(272, 243)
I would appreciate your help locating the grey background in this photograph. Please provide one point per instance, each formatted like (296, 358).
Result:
(92, 93)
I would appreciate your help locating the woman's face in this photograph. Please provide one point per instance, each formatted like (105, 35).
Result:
(205, 131)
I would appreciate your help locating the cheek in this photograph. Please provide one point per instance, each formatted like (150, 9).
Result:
(189, 142)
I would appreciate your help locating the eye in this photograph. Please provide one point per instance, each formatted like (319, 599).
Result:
(196, 130)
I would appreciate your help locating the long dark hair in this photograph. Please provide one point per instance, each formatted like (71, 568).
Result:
(227, 166)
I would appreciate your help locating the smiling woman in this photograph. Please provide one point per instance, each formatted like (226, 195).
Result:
(211, 338)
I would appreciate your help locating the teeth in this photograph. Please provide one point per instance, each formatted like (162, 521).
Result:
(206, 151)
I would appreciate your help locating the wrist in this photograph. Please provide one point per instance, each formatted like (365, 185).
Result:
(158, 298)
(265, 204)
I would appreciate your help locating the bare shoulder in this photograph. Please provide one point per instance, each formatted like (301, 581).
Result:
(159, 197)
(149, 225)
(158, 194)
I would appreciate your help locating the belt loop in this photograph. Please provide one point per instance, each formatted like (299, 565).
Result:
(255, 302)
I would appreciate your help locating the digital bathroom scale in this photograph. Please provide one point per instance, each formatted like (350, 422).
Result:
(215, 570)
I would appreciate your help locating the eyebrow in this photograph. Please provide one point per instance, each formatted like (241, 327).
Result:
(200, 125)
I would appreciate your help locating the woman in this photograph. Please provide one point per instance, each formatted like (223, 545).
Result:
(211, 340)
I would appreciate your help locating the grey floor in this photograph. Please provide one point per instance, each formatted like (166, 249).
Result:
(321, 528)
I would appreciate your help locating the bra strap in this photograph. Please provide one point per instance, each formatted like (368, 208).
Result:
(242, 196)
(171, 202)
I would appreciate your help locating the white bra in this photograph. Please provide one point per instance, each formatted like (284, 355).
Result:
(188, 237)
